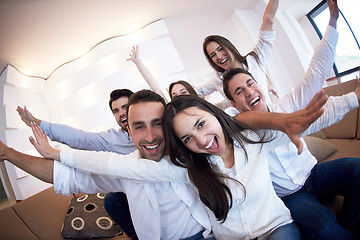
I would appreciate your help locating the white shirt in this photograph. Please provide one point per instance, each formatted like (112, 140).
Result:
(256, 215)
(149, 213)
(263, 50)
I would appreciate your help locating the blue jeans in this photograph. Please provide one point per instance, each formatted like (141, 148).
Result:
(328, 179)
(198, 236)
(288, 232)
(117, 206)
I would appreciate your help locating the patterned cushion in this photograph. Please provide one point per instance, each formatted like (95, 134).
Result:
(87, 218)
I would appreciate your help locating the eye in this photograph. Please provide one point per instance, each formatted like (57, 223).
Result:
(158, 124)
(186, 140)
(115, 111)
(139, 127)
(239, 92)
(201, 124)
(212, 55)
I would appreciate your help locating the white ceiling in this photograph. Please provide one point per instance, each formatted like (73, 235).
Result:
(37, 36)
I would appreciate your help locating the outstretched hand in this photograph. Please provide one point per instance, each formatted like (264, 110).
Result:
(26, 116)
(357, 91)
(41, 143)
(297, 122)
(134, 53)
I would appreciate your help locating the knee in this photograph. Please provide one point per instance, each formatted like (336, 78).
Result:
(328, 229)
(112, 200)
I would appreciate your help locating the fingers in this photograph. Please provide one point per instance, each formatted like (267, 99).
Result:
(38, 133)
(299, 145)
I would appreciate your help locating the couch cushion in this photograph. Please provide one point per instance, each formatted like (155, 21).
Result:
(346, 148)
(319, 148)
(346, 128)
(44, 213)
(87, 218)
(12, 227)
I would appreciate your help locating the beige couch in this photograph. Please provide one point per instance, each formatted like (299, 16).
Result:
(343, 138)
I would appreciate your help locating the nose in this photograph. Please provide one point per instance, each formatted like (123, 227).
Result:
(248, 91)
(200, 140)
(150, 135)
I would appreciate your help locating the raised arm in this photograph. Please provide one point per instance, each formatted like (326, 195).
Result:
(112, 164)
(269, 15)
(149, 78)
(36, 166)
(293, 124)
(318, 71)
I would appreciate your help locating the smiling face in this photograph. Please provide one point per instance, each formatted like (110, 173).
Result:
(200, 131)
(119, 110)
(246, 93)
(146, 129)
(222, 58)
(179, 89)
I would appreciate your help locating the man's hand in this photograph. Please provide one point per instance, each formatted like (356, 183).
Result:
(3, 151)
(42, 144)
(294, 124)
(27, 117)
(357, 91)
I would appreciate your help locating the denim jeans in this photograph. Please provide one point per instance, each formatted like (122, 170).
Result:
(288, 232)
(328, 179)
(117, 206)
(198, 236)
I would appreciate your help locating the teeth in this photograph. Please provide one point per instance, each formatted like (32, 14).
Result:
(253, 102)
(223, 61)
(210, 143)
(123, 120)
(152, 147)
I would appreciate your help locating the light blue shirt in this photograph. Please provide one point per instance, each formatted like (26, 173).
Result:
(111, 140)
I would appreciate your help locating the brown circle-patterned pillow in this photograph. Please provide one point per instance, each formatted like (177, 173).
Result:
(87, 218)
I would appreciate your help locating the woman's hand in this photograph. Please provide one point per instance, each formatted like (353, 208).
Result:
(134, 54)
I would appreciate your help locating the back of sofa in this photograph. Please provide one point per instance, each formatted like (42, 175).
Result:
(349, 126)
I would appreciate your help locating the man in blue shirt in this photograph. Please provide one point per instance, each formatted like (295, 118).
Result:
(112, 140)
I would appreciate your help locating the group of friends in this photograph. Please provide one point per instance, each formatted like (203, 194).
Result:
(190, 170)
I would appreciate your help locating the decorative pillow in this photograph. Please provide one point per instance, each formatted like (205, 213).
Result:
(87, 218)
(319, 148)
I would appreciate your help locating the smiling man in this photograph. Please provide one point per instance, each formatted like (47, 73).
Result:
(169, 210)
(298, 179)
(112, 140)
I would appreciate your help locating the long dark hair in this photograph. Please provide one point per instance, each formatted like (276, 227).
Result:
(228, 46)
(209, 181)
(187, 85)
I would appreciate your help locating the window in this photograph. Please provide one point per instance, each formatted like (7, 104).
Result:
(347, 56)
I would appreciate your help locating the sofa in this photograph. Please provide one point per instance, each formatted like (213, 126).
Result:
(42, 215)
(342, 139)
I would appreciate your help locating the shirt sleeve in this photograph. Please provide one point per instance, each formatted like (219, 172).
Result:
(334, 110)
(319, 70)
(209, 86)
(124, 166)
(78, 139)
(68, 180)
